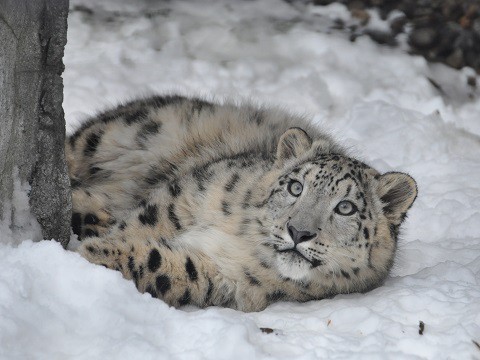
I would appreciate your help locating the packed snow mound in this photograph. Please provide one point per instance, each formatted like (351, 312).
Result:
(378, 101)
(54, 304)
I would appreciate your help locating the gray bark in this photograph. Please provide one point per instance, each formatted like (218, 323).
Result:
(32, 124)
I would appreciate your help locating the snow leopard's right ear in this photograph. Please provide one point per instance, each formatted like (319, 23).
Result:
(293, 143)
(397, 192)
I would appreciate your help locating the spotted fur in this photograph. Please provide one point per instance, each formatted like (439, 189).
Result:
(193, 201)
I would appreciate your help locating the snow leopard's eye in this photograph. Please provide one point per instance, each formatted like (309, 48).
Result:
(346, 208)
(295, 188)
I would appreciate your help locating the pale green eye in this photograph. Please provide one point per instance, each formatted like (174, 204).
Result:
(295, 188)
(346, 208)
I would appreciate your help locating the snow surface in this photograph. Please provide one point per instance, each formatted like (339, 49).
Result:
(378, 101)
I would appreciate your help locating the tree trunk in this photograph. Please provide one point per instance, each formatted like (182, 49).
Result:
(33, 34)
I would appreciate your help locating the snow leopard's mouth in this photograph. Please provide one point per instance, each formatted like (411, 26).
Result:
(297, 254)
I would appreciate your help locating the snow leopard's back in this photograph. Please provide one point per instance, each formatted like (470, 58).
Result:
(133, 147)
(176, 128)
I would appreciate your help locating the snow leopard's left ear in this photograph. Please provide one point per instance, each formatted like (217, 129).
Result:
(397, 191)
(293, 143)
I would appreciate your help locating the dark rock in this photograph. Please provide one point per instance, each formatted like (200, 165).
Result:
(338, 24)
(423, 38)
(377, 3)
(442, 30)
(323, 2)
(397, 25)
(456, 59)
(356, 5)
(266, 330)
(472, 81)
(408, 8)
(382, 37)
(472, 58)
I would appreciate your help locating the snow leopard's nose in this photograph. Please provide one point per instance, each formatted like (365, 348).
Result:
(299, 236)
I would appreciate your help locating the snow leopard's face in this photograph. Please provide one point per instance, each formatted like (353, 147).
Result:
(335, 217)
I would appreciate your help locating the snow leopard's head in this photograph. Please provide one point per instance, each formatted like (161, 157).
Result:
(333, 218)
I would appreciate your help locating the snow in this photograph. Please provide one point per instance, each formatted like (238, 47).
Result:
(378, 101)
(25, 225)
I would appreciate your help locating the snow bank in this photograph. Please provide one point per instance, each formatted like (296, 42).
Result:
(378, 101)
(55, 305)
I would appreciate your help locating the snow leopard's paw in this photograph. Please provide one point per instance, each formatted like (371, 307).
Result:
(89, 217)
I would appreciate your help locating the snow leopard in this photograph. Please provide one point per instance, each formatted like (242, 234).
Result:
(231, 204)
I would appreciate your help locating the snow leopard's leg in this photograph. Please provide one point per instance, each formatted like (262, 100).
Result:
(90, 213)
(139, 249)
(169, 274)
